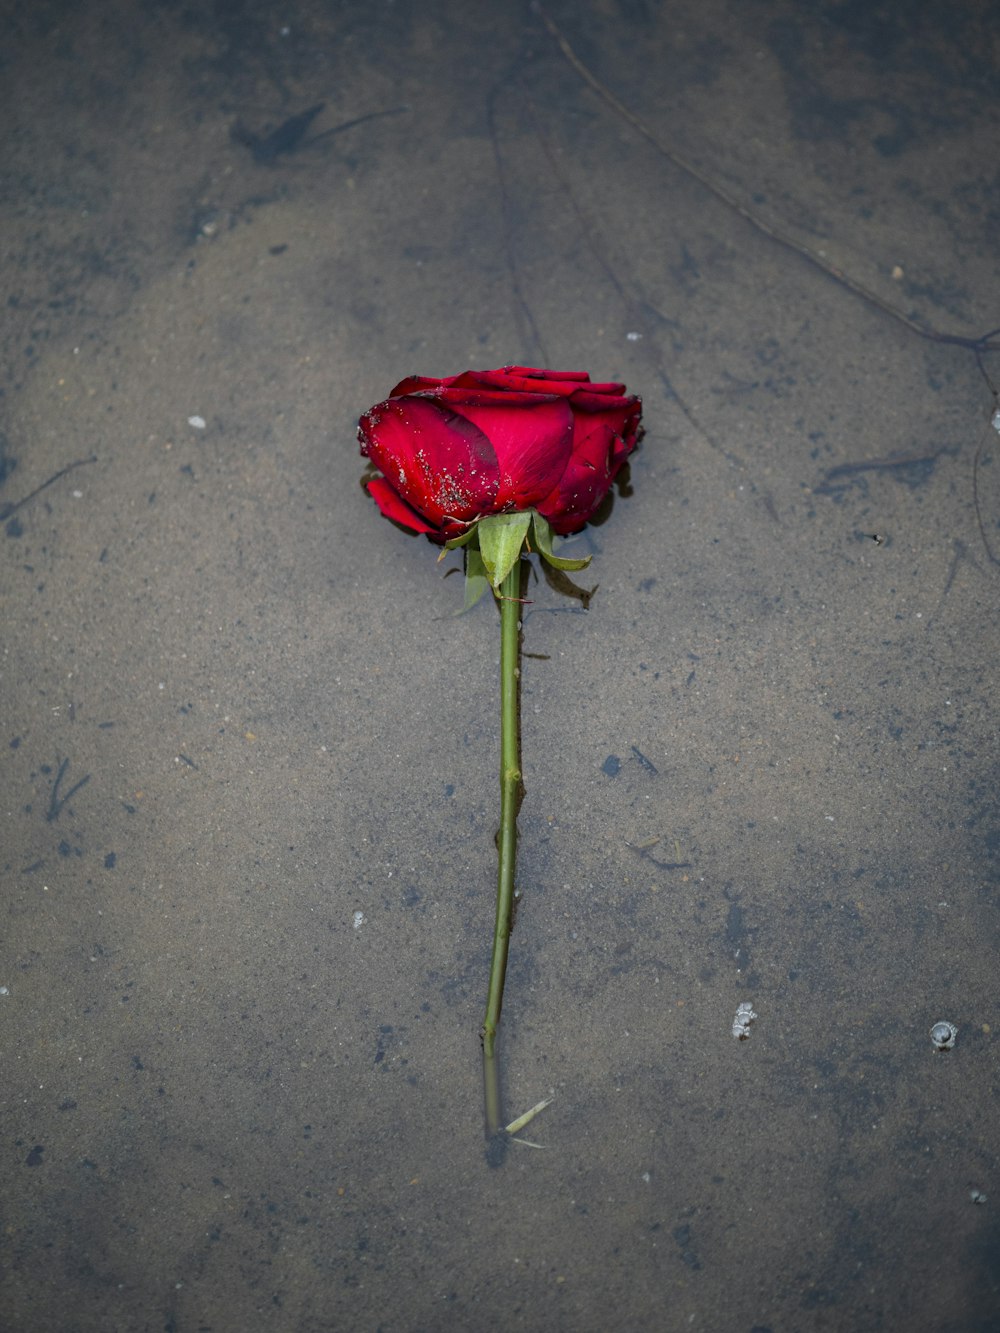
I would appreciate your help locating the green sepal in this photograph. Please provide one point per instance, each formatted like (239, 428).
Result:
(456, 542)
(476, 581)
(501, 538)
(543, 545)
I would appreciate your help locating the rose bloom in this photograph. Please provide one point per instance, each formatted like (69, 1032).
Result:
(454, 450)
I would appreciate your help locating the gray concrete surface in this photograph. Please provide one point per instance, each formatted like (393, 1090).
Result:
(238, 709)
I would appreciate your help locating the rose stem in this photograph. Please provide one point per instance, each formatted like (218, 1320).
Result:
(511, 791)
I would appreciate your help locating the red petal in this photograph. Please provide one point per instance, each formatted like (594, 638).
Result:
(395, 508)
(439, 463)
(421, 384)
(602, 441)
(532, 437)
(523, 379)
(457, 396)
(536, 373)
(594, 397)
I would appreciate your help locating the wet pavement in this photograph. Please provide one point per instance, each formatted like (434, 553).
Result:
(250, 791)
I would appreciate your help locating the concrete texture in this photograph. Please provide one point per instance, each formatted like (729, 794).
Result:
(239, 711)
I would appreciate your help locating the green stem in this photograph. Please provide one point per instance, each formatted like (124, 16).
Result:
(511, 792)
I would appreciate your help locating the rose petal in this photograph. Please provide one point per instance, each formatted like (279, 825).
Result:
(536, 372)
(441, 464)
(583, 485)
(525, 379)
(532, 438)
(602, 441)
(394, 507)
(421, 384)
(594, 397)
(455, 395)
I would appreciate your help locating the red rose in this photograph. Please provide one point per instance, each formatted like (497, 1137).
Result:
(454, 450)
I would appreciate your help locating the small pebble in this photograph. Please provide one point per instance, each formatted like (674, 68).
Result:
(741, 1023)
(943, 1036)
